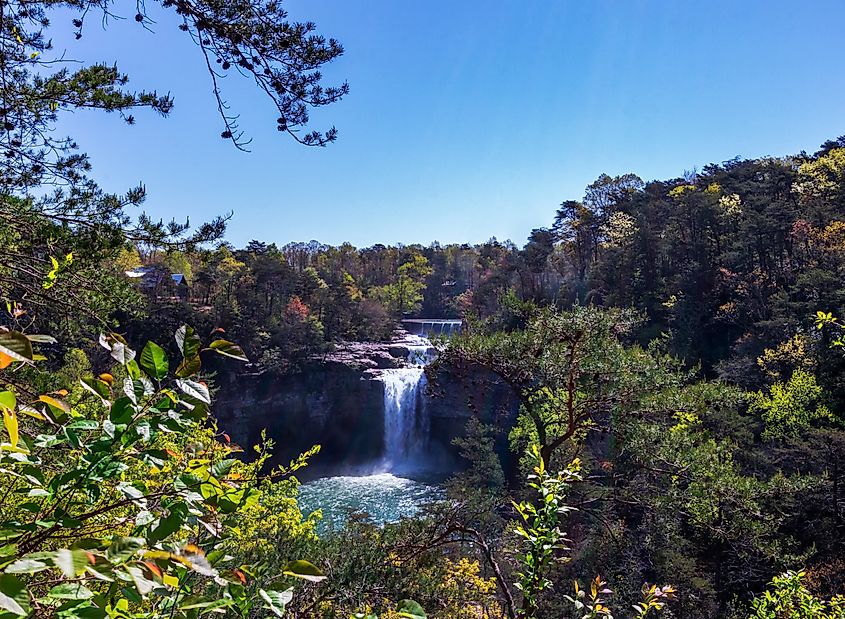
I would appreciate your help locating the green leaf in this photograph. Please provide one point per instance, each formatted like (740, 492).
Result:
(88, 612)
(142, 584)
(72, 563)
(121, 411)
(228, 349)
(188, 341)
(133, 370)
(55, 403)
(208, 605)
(275, 601)
(195, 390)
(10, 550)
(169, 524)
(26, 566)
(305, 570)
(13, 595)
(16, 345)
(410, 609)
(118, 348)
(97, 387)
(71, 591)
(154, 361)
(222, 468)
(8, 400)
(10, 420)
(83, 424)
(189, 366)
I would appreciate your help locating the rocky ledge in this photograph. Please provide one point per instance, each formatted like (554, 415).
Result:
(364, 356)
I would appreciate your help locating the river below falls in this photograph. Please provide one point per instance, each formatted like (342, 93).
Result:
(385, 497)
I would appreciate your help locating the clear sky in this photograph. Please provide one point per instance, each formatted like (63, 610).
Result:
(472, 119)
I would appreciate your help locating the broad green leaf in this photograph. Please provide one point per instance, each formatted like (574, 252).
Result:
(207, 605)
(86, 612)
(121, 411)
(195, 390)
(26, 566)
(97, 387)
(13, 595)
(275, 601)
(144, 518)
(169, 524)
(153, 361)
(8, 400)
(16, 346)
(30, 412)
(130, 491)
(410, 609)
(305, 570)
(228, 349)
(10, 550)
(10, 419)
(72, 563)
(222, 468)
(170, 580)
(188, 341)
(83, 424)
(129, 389)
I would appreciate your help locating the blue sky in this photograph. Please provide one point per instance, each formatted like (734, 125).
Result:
(472, 119)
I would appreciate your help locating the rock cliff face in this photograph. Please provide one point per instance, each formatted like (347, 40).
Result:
(334, 402)
(338, 403)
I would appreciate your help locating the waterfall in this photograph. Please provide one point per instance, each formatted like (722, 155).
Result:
(405, 419)
(404, 424)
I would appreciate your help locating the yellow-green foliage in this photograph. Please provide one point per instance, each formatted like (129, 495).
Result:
(686, 420)
(790, 407)
(460, 589)
(821, 177)
(680, 190)
(788, 598)
(790, 354)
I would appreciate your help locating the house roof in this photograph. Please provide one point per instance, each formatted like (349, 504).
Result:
(137, 272)
(152, 274)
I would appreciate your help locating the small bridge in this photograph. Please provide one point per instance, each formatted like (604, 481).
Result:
(432, 326)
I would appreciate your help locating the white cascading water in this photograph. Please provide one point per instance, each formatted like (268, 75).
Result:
(405, 422)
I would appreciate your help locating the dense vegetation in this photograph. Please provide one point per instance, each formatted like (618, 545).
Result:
(674, 347)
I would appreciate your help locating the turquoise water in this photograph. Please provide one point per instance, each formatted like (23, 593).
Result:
(385, 497)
